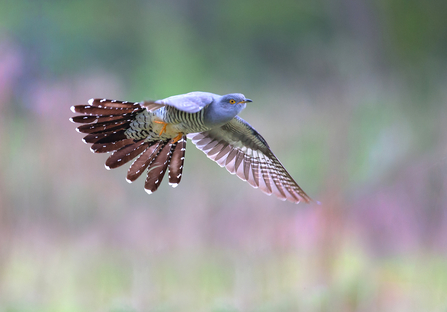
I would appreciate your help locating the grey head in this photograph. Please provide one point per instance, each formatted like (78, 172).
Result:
(224, 108)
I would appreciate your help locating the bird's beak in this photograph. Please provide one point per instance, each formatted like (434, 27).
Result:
(246, 101)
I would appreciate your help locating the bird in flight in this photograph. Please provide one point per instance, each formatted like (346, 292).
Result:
(154, 133)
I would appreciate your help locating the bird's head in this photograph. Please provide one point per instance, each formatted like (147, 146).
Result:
(234, 101)
(225, 107)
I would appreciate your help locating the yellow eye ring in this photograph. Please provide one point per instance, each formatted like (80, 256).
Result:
(232, 101)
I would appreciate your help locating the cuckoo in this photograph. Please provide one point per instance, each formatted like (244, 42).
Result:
(154, 133)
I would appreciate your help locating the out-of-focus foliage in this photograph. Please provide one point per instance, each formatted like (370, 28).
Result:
(350, 96)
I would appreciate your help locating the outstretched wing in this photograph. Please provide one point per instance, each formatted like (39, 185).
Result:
(244, 152)
(190, 102)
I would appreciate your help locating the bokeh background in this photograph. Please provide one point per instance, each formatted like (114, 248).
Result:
(350, 94)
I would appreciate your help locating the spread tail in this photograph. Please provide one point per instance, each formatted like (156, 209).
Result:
(105, 122)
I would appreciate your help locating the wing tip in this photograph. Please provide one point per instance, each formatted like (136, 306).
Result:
(308, 200)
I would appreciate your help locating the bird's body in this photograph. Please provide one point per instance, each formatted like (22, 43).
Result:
(156, 132)
(148, 125)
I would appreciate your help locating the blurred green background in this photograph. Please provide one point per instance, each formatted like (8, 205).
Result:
(351, 96)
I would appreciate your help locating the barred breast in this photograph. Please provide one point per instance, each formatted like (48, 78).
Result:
(182, 121)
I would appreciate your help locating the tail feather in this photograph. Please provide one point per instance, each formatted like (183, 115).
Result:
(110, 147)
(106, 137)
(112, 103)
(143, 161)
(99, 118)
(157, 169)
(105, 123)
(83, 119)
(105, 107)
(101, 111)
(176, 163)
(125, 154)
(104, 126)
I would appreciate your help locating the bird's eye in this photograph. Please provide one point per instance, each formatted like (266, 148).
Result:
(232, 101)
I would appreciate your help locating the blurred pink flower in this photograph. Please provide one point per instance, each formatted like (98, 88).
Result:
(11, 62)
